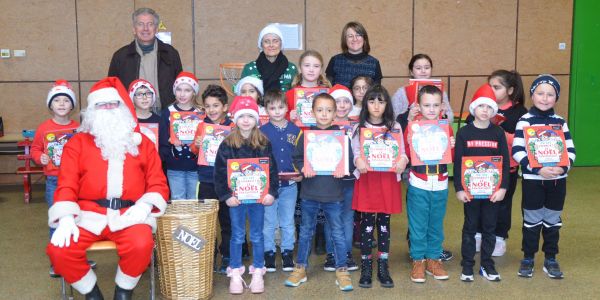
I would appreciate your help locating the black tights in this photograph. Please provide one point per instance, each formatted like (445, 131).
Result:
(367, 226)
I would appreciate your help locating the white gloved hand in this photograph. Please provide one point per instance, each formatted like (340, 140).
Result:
(62, 235)
(138, 212)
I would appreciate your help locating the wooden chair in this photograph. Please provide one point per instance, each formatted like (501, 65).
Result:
(103, 246)
(27, 170)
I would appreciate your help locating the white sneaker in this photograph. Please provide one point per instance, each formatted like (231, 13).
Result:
(477, 242)
(500, 247)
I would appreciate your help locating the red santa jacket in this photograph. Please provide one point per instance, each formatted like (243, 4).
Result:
(85, 176)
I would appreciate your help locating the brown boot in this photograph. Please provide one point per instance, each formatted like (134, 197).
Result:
(418, 271)
(435, 268)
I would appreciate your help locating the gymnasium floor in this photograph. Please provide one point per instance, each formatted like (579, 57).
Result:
(24, 265)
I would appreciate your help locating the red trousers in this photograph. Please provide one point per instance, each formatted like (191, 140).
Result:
(134, 247)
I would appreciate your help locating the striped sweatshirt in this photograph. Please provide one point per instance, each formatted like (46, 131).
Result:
(536, 117)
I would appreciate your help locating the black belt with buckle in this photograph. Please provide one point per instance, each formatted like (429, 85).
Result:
(115, 203)
(431, 172)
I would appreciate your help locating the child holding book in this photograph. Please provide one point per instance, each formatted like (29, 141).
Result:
(245, 141)
(544, 189)
(310, 76)
(426, 200)
(480, 138)
(420, 66)
(377, 195)
(60, 101)
(344, 104)
(508, 89)
(215, 102)
(359, 85)
(143, 95)
(283, 135)
(320, 192)
(179, 161)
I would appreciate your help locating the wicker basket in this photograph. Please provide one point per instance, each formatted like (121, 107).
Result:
(185, 274)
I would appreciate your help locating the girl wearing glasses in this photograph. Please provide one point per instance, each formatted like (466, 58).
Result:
(359, 86)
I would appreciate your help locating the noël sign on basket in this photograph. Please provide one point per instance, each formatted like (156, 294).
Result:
(187, 237)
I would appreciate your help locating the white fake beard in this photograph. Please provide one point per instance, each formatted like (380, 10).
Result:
(113, 131)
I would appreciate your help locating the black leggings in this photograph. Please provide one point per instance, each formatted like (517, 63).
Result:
(367, 226)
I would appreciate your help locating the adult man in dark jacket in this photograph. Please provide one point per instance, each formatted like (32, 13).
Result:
(147, 57)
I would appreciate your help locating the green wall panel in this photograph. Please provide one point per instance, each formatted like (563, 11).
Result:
(584, 108)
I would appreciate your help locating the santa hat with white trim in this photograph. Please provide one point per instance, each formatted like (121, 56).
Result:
(188, 78)
(251, 79)
(339, 91)
(138, 83)
(244, 105)
(61, 87)
(111, 89)
(484, 95)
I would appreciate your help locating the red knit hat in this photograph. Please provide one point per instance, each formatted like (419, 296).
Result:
(339, 91)
(138, 83)
(111, 89)
(244, 105)
(484, 95)
(61, 87)
(188, 78)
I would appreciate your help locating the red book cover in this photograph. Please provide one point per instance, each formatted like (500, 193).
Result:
(415, 86)
(346, 125)
(54, 142)
(248, 178)
(288, 175)
(183, 126)
(481, 175)
(326, 151)
(498, 119)
(263, 119)
(150, 130)
(546, 146)
(303, 98)
(380, 148)
(429, 142)
(211, 137)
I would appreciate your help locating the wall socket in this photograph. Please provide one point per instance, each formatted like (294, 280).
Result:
(562, 46)
(19, 53)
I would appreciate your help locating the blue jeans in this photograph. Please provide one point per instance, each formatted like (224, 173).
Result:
(281, 214)
(347, 222)
(333, 211)
(51, 182)
(183, 184)
(256, 214)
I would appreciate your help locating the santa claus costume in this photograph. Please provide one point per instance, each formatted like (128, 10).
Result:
(111, 187)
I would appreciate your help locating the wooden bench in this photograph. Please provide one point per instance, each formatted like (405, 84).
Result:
(27, 170)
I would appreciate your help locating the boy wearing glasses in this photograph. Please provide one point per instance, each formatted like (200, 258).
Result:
(143, 95)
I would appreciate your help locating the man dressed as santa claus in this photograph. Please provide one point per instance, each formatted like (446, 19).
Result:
(110, 187)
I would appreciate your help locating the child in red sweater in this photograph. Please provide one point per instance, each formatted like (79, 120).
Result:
(55, 131)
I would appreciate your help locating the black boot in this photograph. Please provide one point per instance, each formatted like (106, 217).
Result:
(383, 274)
(366, 273)
(94, 294)
(320, 239)
(122, 294)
